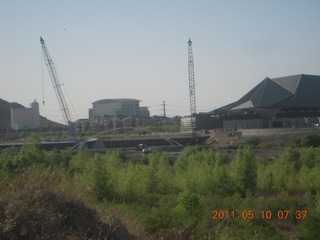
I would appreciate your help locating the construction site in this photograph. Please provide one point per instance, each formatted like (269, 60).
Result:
(278, 106)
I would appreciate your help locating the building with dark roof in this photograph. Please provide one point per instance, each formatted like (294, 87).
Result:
(283, 102)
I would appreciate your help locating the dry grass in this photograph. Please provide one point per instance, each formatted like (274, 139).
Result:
(38, 213)
(46, 205)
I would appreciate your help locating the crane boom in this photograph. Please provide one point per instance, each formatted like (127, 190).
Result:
(192, 91)
(58, 90)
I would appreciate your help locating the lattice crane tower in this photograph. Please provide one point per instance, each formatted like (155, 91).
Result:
(192, 92)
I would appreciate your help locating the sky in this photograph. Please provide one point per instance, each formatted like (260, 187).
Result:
(139, 49)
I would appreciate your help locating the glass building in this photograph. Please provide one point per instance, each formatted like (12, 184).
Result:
(119, 107)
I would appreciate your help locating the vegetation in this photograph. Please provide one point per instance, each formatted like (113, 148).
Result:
(61, 133)
(309, 140)
(201, 194)
(164, 128)
(254, 141)
(37, 213)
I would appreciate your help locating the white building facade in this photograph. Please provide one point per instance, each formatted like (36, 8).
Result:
(186, 124)
(25, 118)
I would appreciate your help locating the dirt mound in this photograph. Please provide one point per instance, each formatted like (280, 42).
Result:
(223, 139)
(37, 213)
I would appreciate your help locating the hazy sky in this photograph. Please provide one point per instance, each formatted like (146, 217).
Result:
(139, 49)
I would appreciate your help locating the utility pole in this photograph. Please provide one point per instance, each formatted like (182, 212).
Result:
(192, 93)
(164, 108)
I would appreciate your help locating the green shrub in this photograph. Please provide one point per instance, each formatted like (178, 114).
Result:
(17, 160)
(309, 140)
(254, 141)
(80, 161)
(310, 227)
(310, 179)
(189, 209)
(222, 183)
(291, 155)
(317, 201)
(116, 158)
(310, 157)
(160, 219)
(244, 171)
(100, 180)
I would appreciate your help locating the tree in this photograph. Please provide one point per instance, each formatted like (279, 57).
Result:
(100, 178)
(190, 209)
(244, 171)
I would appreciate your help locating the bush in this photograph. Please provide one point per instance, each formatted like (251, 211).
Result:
(291, 155)
(309, 140)
(37, 213)
(173, 198)
(189, 209)
(244, 171)
(310, 227)
(310, 157)
(254, 141)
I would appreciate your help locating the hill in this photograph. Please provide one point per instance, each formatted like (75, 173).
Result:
(5, 116)
(5, 112)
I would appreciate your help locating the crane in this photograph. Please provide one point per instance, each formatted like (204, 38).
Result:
(58, 90)
(192, 92)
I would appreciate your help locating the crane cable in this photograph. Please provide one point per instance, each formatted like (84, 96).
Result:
(42, 78)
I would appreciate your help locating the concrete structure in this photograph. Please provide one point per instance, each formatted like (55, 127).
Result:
(119, 107)
(186, 124)
(25, 118)
(285, 102)
(91, 113)
(144, 112)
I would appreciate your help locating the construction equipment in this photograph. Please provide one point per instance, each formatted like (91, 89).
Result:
(192, 92)
(58, 90)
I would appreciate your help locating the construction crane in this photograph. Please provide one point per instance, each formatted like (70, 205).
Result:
(58, 90)
(192, 92)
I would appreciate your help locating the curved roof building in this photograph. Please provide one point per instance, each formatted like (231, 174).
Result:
(291, 101)
(116, 100)
(118, 107)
